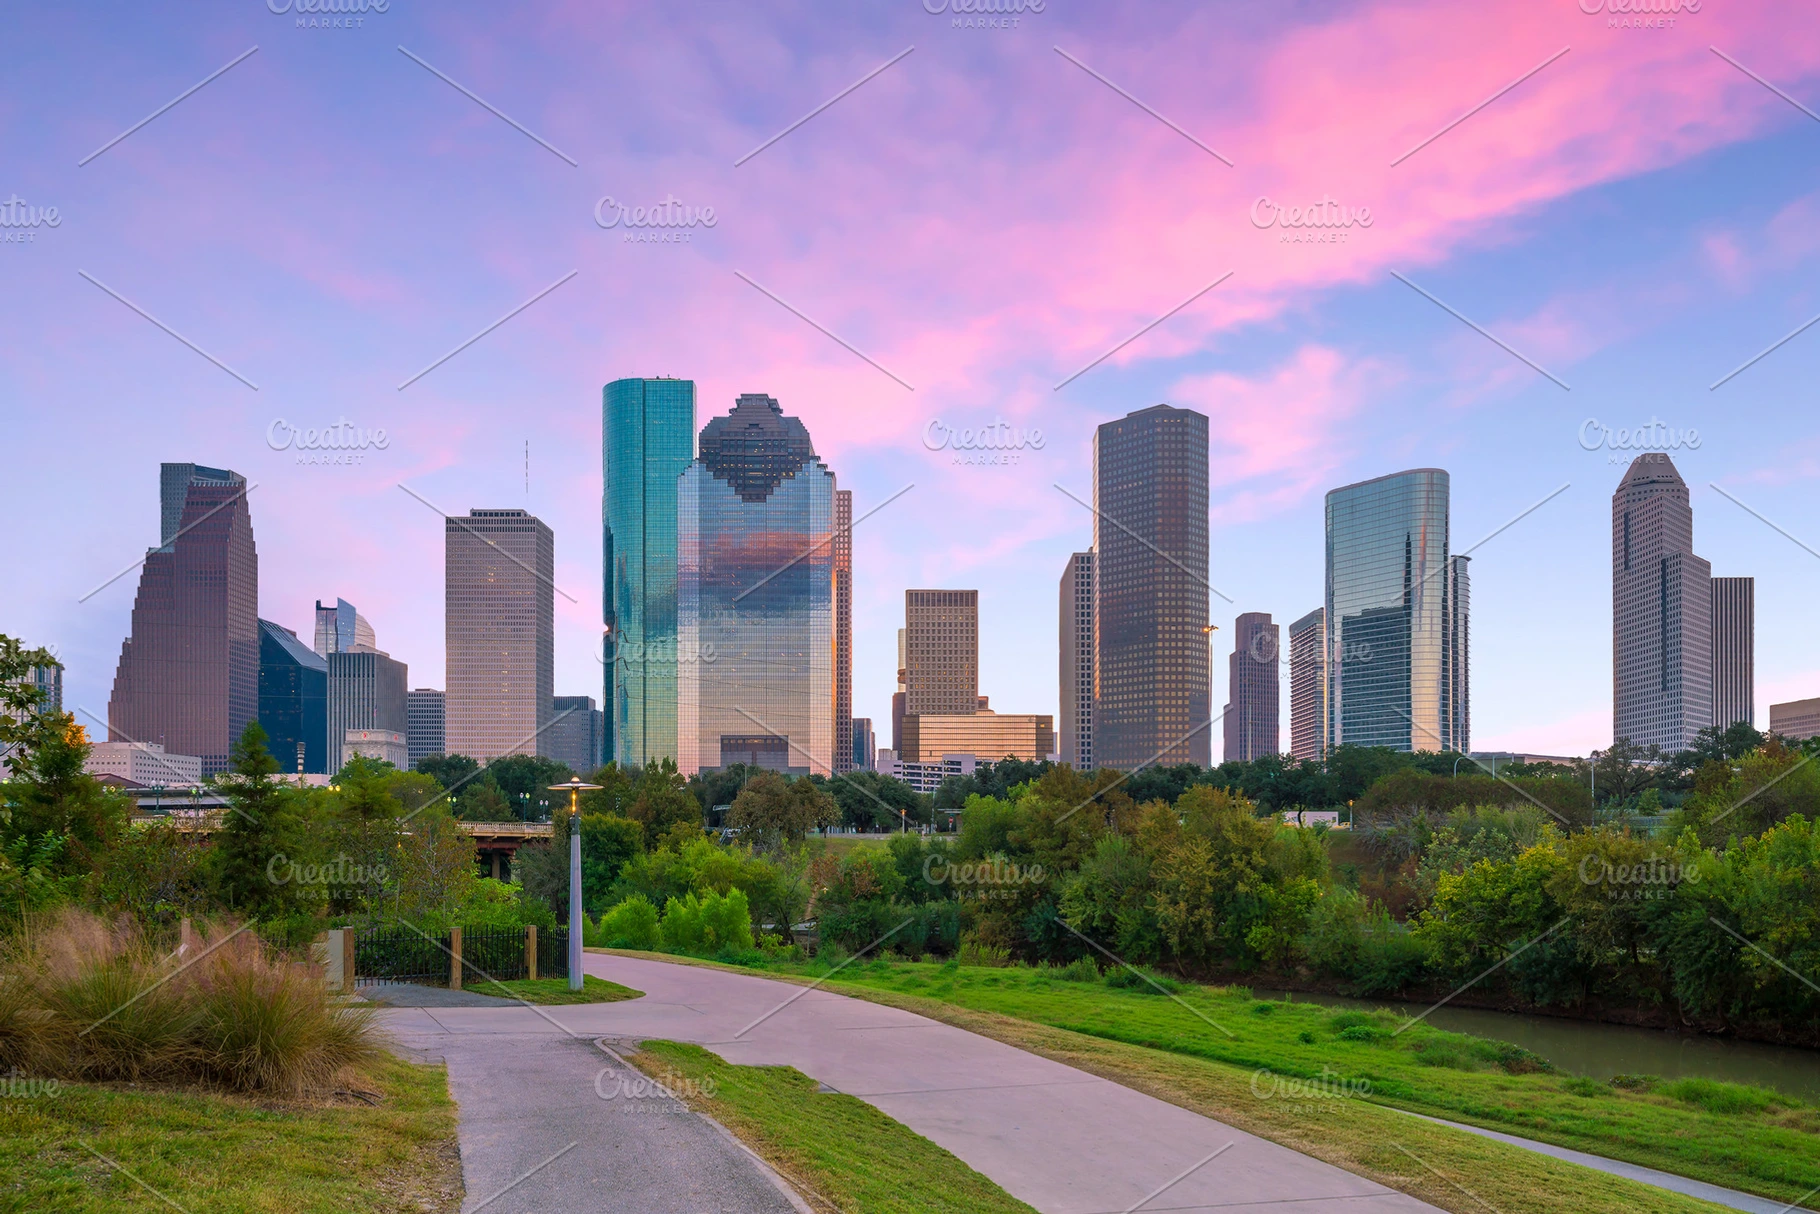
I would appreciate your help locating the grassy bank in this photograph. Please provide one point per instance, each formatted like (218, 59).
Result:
(838, 1152)
(1222, 1053)
(555, 990)
(388, 1150)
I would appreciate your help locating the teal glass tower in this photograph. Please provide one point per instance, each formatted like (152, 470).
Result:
(647, 440)
(1396, 616)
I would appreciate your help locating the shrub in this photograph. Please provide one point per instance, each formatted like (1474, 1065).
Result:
(1725, 1099)
(1362, 1032)
(631, 924)
(975, 952)
(707, 924)
(1305, 1037)
(1143, 981)
(1081, 969)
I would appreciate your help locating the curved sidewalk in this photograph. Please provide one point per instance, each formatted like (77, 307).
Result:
(1060, 1139)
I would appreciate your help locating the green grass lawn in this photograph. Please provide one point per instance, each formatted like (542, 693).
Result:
(839, 1152)
(230, 1154)
(555, 990)
(1744, 1138)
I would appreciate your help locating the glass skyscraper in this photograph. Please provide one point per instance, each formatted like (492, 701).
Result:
(755, 518)
(293, 700)
(647, 440)
(1394, 615)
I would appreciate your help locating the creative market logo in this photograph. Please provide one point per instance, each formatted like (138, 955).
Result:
(983, 14)
(1651, 441)
(1322, 222)
(19, 221)
(342, 444)
(993, 445)
(1639, 14)
(667, 222)
(327, 14)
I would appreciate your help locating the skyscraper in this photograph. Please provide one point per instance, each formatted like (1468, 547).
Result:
(755, 516)
(1308, 686)
(647, 440)
(1459, 666)
(1253, 706)
(1662, 610)
(1152, 693)
(426, 720)
(941, 651)
(1391, 615)
(574, 734)
(340, 629)
(188, 677)
(293, 700)
(500, 624)
(843, 630)
(865, 745)
(367, 690)
(1075, 637)
(1734, 651)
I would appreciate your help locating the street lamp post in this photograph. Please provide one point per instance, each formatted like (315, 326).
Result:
(574, 788)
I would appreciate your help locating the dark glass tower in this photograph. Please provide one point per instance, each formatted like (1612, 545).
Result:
(1152, 693)
(293, 700)
(189, 671)
(647, 440)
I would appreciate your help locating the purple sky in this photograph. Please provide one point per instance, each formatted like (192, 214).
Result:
(983, 218)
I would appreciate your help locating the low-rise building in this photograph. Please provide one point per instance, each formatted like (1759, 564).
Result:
(1797, 719)
(992, 736)
(388, 745)
(142, 765)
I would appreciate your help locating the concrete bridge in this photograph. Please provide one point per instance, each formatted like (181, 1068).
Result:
(496, 844)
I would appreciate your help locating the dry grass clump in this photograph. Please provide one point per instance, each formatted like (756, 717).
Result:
(84, 999)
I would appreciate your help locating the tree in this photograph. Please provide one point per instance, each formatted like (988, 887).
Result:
(448, 770)
(434, 871)
(661, 800)
(255, 833)
(21, 703)
(773, 811)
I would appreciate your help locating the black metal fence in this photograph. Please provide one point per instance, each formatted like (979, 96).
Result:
(399, 954)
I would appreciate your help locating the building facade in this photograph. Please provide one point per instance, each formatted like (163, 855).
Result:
(386, 745)
(341, 628)
(575, 734)
(941, 651)
(865, 745)
(1459, 667)
(188, 677)
(293, 700)
(1075, 640)
(142, 765)
(1734, 651)
(1662, 615)
(843, 630)
(1252, 718)
(755, 517)
(1308, 686)
(1151, 662)
(500, 628)
(367, 692)
(425, 715)
(647, 441)
(1391, 615)
(1796, 720)
(986, 735)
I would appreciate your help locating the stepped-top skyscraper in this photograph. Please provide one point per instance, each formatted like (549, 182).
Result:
(647, 440)
(500, 625)
(1662, 610)
(756, 596)
(1394, 614)
(188, 677)
(1253, 707)
(1152, 693)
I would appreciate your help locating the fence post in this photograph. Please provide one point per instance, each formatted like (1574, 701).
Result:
(530, 950)
(348, 936)
(454, 958)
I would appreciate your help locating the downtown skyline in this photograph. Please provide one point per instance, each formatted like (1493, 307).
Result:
(1640, 283)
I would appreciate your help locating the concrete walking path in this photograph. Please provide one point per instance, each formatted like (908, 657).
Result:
(1064, 1141)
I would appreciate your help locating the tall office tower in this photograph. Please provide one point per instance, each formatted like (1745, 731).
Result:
(340, 629)
(1253, 706)
(1151, 669)
(574, 734)
(500, 623)
(1734, 651)
(293, 700)
(367, 690)
(647, 440)
(755, 516)
(188, 677)
(1459, 667)
(1391, 614)
(865, 745)
(1308, 686)
(897, 698)
(1075, 637)
(941, 651)
(48, 680)
(1796, 720)
(426, 717)
(1662, 610)
(843, 630)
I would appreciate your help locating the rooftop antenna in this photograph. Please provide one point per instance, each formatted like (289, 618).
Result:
(527, 469)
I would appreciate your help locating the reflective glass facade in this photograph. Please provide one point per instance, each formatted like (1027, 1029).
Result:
(1391, 615)
(647, 440)
(293, 700)
(756, 596)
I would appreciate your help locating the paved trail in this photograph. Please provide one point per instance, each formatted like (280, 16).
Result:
(1060, 1139)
